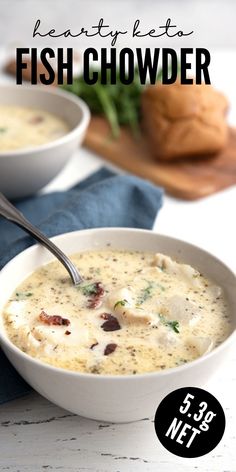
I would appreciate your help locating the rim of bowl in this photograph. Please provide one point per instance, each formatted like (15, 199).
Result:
(80, 127)
(120, 377)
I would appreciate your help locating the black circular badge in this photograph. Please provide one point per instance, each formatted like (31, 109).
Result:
(189, 422)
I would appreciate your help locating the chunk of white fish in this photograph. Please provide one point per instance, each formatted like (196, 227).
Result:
(166, 337)
(216, 291)
(177, 308)
(122, 304)
(202, 344)
(52, 334)
(32, 342)
(16, 313)
(184, 271)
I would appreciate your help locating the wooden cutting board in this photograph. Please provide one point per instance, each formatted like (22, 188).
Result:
(188, 180)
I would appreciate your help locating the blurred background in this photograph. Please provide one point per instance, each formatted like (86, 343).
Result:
(213, 21)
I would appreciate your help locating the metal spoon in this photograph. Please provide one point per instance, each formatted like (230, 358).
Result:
(8, 211)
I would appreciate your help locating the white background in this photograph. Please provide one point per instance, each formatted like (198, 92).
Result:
(213, 21)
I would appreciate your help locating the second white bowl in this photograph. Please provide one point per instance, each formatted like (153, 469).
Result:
(25, 171)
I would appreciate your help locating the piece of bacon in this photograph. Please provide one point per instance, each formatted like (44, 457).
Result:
(105, 316)
(111, 323)
(35, 120)
(93, 345)
(94, 303)
(56, 320)
(109, 349)
(96, 299)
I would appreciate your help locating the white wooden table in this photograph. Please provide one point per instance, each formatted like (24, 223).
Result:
(36, 435)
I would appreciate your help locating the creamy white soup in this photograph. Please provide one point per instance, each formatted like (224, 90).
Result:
(22, 127)
(135, 312)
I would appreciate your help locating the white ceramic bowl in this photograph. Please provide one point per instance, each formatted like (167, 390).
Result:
(25, 171)
(114, 398)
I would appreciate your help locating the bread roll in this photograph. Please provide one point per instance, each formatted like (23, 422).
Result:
(184, 120)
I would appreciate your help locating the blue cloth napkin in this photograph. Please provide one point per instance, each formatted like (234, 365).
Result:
(103, 199)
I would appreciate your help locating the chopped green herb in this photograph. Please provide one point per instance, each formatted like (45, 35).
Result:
(3, 130)
(145, 293)
(23, 295)
(172, 324)
(120, 303)
(148, 292)
(88, 290)
(161, 287)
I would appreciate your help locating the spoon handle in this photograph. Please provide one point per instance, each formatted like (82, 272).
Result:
(8, 211)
